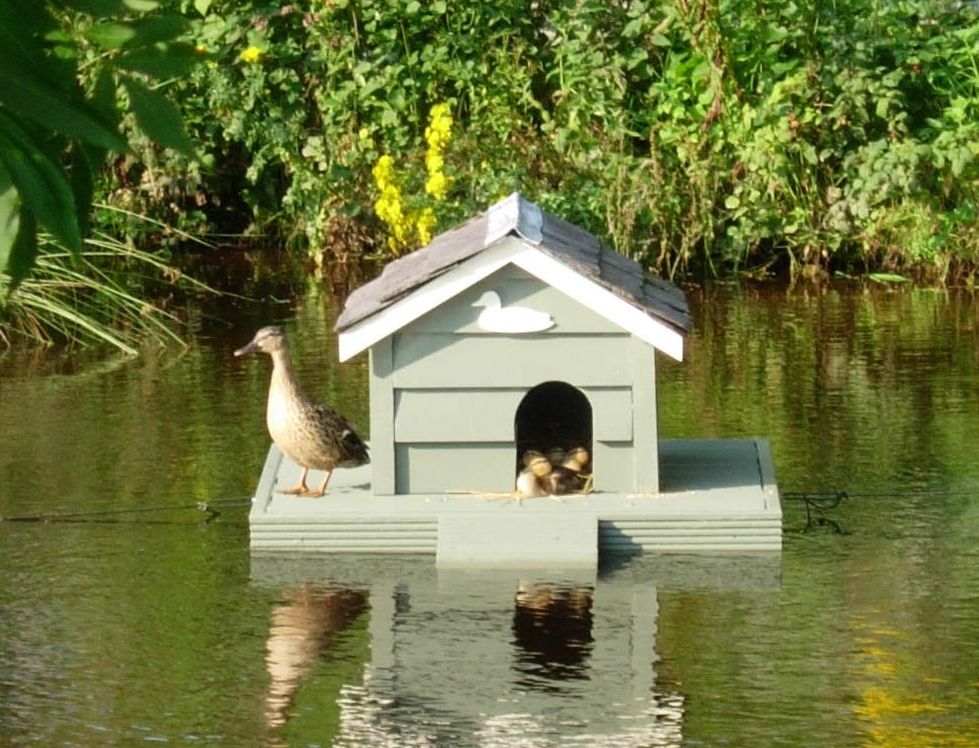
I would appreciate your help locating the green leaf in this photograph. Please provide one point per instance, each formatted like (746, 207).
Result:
(111, 35)
(161, 60)
(141, 6)
(887, 278)
(159, 118)
(10, 207)
(103, 98)
(18, 234)
(23, 253)
(40, 182)
(36, 99)
(633, 28)
(202, 6)
(97, 8)
(82, 184)
(158, 29)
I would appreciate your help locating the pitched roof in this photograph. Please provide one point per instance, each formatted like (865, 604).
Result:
(516, 216)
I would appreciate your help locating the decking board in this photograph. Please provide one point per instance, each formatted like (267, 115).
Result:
(719, 496)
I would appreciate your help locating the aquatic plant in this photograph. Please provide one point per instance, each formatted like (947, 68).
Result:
(102, 295)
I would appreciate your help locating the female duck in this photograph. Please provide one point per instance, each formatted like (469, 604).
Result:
(312, 434)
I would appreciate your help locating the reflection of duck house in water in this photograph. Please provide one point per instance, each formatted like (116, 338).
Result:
(518, 331)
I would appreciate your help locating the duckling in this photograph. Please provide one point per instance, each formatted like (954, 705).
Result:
(529, 481)
(568, 477)
(578, 459)
(556, 455)
(313, 435)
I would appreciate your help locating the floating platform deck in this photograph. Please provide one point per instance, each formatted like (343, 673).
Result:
(717, 496)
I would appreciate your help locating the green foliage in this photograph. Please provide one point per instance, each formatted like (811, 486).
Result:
(55, 134)
(708, 135)
(93, 297)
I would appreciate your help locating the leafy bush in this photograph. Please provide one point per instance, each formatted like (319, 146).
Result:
(55, 133)
(695, 135)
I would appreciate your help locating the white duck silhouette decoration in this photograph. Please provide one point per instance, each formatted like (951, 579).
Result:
(512, 319)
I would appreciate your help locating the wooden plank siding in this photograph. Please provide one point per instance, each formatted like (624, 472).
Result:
(382, 417)
(470, 414)
(445, 394)
(452, 360)
(721, 497)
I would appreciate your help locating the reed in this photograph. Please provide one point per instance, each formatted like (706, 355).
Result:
(108, 294)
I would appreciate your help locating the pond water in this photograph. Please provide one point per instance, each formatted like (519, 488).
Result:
(158, 627)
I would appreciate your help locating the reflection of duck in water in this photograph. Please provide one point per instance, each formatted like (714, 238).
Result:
(497, 318)
(300, 631)
(552, 624)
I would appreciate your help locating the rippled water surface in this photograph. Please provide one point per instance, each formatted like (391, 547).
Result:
(125, 628)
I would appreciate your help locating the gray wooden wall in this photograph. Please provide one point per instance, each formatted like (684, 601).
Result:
(444, 393)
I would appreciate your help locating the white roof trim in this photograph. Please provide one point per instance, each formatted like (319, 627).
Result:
(362, 335)
(523, 254)
(601, 301)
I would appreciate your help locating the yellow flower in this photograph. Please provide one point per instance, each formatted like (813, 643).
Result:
(439, 129)
(437, 185)
(437, 135)
(364, 133)
(424, 224)
(384, 171)
(389, 206)
(251, 54)
(200, 49)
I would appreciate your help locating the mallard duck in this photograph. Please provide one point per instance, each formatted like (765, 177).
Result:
(530, 480)
(312, 434)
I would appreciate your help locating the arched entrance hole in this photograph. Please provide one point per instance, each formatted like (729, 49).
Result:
(552, 416)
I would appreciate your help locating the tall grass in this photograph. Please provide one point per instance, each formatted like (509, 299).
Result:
(110, 294)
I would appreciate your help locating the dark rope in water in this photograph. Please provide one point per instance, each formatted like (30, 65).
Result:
(816, 503)
(207, 507)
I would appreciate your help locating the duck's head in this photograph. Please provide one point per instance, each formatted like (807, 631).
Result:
(577, 456)
(267, 340)
(488, 299)
(540, 466)
(556, 455)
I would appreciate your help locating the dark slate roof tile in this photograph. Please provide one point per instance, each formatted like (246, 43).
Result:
(570, 244)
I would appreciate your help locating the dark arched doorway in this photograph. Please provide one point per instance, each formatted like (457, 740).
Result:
(552, 415)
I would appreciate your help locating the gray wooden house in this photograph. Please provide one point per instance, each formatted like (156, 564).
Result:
(517, 331)
(514, 330)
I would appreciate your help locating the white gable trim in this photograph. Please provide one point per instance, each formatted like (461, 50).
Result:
(524, 255)
(601, 301)
(364, 334)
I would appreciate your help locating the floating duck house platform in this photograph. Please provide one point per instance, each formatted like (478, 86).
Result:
(519, 332)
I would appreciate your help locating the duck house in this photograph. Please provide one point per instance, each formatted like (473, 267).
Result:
(517, 334)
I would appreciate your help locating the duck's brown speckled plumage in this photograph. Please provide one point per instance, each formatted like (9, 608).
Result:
(313, 435)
